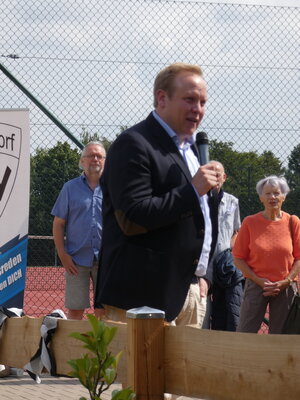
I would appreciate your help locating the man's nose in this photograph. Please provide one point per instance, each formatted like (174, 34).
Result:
(197, 107)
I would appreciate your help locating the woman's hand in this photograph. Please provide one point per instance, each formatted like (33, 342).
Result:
(269, 288)
(261, 281)
(274, 288)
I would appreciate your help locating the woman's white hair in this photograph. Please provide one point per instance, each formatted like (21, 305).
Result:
(273, 180)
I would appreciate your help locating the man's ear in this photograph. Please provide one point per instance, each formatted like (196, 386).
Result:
(161, 97)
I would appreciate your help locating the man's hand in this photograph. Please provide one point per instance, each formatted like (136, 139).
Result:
(204, 286)
(206, 178)
(68, 264)
(58, 236)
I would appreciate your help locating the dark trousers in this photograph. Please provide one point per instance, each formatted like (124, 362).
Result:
(254, 306)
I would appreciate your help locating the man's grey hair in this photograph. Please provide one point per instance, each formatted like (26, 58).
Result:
(273, 180)
(84, 150)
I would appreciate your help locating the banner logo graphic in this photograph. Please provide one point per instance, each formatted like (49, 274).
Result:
(10, 150)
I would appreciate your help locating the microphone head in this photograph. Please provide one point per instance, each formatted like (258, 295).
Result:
(201, 138)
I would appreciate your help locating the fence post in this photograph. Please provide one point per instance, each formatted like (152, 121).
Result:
(145, 327)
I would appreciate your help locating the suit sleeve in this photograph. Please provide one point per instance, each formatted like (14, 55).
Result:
(142, 186)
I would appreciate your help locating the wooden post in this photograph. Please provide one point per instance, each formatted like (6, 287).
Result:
(145, 338)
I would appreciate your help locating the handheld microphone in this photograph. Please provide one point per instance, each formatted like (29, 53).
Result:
(202, 146)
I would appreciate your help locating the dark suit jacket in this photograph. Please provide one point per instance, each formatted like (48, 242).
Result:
(153, 227)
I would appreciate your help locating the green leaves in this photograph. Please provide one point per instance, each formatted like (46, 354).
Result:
(97, 370)
(85, 369)
(244, 170)
(125, 394)
(110, 375)
(98, 339)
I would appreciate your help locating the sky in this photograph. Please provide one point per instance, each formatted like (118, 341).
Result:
(285, 3)
(92, 63)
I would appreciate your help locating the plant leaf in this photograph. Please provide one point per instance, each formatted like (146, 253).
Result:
(124, 394)
(109, 376)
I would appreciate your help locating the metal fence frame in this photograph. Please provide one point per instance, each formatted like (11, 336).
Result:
(91, 66)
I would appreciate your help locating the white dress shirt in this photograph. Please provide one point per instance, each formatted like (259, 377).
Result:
(193, 165)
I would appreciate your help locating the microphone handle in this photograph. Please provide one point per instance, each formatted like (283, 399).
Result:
(204, 159)
(203, 154)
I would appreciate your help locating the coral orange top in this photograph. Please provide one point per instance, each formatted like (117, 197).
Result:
(266, 246)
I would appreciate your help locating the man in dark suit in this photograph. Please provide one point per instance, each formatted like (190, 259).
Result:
(158, 233)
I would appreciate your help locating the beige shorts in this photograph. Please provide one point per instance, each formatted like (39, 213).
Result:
(194, 308)
(77, 290)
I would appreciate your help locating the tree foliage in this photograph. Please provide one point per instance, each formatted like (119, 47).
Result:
(50, 169)
(294, 161)
(244, 170)
(87, 137)
(292, 203)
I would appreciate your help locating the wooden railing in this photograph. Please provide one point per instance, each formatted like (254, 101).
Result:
(184, 360)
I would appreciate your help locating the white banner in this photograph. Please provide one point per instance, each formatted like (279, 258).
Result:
(14, 204)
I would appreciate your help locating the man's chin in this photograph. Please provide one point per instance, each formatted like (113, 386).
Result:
(190, 132)
(96, 168)
(191, 129)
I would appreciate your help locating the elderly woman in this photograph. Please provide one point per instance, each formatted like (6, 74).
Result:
(267, 251)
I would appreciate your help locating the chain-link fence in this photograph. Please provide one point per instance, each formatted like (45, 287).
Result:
(92, 64)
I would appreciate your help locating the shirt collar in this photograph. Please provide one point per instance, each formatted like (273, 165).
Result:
(85, 181)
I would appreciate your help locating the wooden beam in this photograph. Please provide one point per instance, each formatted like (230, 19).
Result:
(231, 366)
(189, 361)
(66, 348)
(21, 337)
